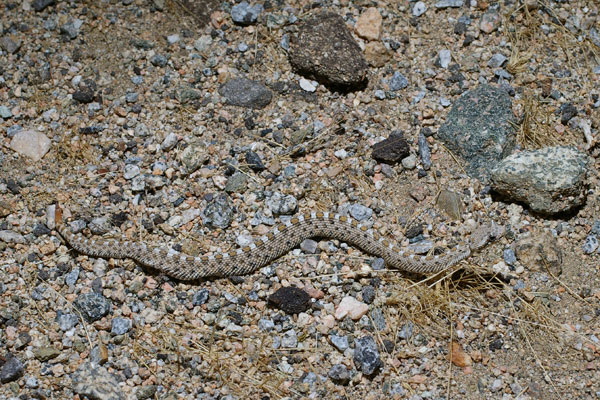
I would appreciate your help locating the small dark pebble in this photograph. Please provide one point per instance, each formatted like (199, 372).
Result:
(290, 300)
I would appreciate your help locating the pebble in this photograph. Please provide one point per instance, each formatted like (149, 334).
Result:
(280, 204)
(368, 24)
(424, 151)
(366, 356)
(172, 39)
(497, 60)
(444, 58)
(509, 256)
(218, 213)
(490, 21)
(93, 306)
(244, 92)
(398, 82)
(30, 143)
(131, 171)
(169, 141)
(340, 342)
(66, 321)
(449, 3)
(392, 149)
(419, 9)
(289, 339)
(360, 212)
(339, 374)
(352, 308)
(290, 300)
(5, 112)
(120, 326)
(71, 29)
(11, 370)
(306, 85)
(309, 246)
(409, 162)
(245, 14)
(590, 245)
(95, 382)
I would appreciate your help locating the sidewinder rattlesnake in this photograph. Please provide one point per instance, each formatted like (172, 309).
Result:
(283, 238)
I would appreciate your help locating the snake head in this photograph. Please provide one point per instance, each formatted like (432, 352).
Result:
(484, 234)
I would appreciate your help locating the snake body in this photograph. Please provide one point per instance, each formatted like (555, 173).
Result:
(283, 238)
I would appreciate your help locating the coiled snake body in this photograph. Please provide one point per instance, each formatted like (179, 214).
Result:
(273, 245)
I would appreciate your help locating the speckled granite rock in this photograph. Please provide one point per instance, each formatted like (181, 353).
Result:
(549, 180)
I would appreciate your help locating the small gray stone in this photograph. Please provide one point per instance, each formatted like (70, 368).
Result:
(158, 60)
(406, 331)
(218, 213)
(497, 385)
(280, 204)
(419, 9)
(40, 5)
(66, 321)
(193, 156)
(398, 81)
(99, 226)
(509, 256)
(200, 297)
(237, 183)
(11, 370)
(12, 237)
(131, 171)
(172, 39)
(95, 382)
(254, 161)
(93, 306)
(590, 245)
(360, 212)
(339, 374)
(444, 58)
(5, 112)
(497, 60)
(368, 294)
(449, 3)
(266, 324)
(244, 14)
(72, 276)
(340, 342)
(243, 92)
(409, 162)
(120, 326)
(424, 151)
(71, 29)
(169, 141)
(309, 246)
(366, 355)
(145, 392)
(289, 339)
(10, 44)
(378, 319)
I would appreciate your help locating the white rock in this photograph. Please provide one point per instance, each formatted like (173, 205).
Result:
(307, 85)
(31, 144)
(353, 308)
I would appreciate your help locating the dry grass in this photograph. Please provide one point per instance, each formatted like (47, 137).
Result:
(530, 45)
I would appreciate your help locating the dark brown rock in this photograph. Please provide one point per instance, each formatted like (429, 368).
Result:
(392, 149)
(290, 299)
(325, 50)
